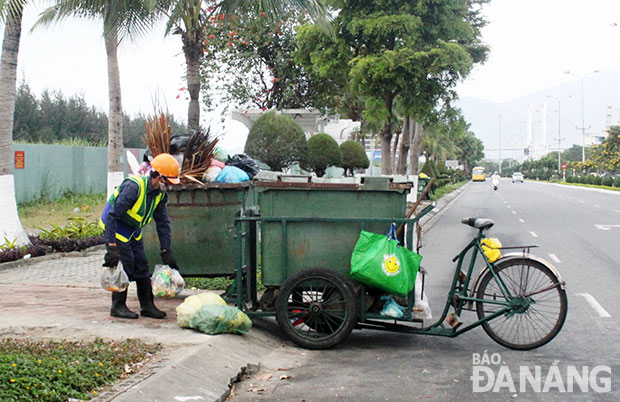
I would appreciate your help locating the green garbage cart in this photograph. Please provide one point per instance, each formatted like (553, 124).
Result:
(203, 227)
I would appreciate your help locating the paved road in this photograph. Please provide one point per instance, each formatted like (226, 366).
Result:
(562, 221)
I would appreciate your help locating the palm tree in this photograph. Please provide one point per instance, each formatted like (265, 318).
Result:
(122, 19)
(11, 229)
(189, 19)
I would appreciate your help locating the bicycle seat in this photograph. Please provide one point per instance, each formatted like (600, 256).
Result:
(478, 223)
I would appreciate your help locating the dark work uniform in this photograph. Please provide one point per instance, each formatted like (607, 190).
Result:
(132, 252)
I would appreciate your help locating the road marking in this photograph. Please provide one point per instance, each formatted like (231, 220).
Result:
(508, 206)
(555, 258)
(596, 206)
(595, 305)
(521, 220)
(581, 201)
(606, 227)
(618, 210)
(533, 234)
(514, 212)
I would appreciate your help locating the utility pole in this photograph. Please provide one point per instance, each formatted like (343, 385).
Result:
(583, 124)
(559, 131)
(499, 149)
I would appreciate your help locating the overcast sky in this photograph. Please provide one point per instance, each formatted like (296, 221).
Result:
(532, 43)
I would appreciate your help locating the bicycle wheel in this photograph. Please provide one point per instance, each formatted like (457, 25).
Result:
(316, 308)
(541, 310)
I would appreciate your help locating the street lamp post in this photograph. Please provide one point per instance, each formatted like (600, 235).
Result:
(499, 149)
(559, 131)
(583, 125)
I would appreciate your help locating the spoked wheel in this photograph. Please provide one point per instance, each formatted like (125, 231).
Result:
(316, 308)
(539, 304)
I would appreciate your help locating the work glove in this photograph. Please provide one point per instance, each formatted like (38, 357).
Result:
(111, 257)
(168, 259)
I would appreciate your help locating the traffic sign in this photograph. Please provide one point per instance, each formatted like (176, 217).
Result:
(564, 166)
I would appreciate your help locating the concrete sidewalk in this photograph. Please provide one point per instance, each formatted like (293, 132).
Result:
(59, 297)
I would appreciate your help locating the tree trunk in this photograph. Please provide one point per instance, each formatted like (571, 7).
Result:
(193, 53)
(386, 150)
(115, 113)
(394, 150)
(414, 152)
(403, 151)
(10, 225)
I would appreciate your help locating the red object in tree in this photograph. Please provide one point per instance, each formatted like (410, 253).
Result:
(178, 96)
(263, 108)
(274, 79)
(245, 43)
(232, 33)
(229, 44)
(263, 13)
(211, 36)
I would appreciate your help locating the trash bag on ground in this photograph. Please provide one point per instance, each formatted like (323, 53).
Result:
(231, 174)
(114, 279)
(245, 163)
(213, 319)
(166, 282)
(193, 303)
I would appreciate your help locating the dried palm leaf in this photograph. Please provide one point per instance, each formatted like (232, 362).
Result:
(198, 154)
(158, 133)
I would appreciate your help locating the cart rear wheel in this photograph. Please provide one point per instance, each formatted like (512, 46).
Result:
(316, 308)
(542, 309)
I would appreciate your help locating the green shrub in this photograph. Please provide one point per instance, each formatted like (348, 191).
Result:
(277, 141)
(583, 179)
(353, 156)
(607, 181)
(590, 179)
(323, 152)
(617, 181)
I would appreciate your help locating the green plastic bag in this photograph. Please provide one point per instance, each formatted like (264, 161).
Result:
(378, 261)
(215, 319)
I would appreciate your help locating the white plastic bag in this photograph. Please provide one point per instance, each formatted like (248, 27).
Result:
(114, 279)
(421, 308)
(166, 282)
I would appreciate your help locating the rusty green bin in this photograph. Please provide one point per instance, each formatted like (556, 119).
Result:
(203, 228)
(295, 235)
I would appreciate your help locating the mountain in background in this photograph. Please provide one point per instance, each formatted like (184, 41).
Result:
(601, 93)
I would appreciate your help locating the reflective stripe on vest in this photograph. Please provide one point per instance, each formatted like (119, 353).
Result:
(137, 216)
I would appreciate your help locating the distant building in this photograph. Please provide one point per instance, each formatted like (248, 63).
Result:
(612, 117)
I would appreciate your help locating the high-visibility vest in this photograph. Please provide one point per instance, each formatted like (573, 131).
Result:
(136, 217)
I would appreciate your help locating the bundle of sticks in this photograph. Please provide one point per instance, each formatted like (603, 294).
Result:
(197, 155)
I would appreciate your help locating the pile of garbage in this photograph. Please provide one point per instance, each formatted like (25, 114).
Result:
(209, 313)
(196, 153)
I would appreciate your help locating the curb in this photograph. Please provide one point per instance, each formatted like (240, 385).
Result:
(52, 256)
(442, 205)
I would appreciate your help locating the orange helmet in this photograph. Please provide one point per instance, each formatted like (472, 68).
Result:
(167, 166)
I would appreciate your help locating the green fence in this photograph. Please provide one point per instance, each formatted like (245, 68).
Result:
(52, 170)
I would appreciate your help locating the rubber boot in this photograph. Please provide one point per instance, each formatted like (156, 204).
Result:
(145, 295)
(119, 307)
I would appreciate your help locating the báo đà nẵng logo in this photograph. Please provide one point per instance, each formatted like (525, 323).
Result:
(490, 374)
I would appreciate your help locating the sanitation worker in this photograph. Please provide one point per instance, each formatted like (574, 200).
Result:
(131, 207)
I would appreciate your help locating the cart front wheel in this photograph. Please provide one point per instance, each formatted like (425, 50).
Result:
(539, 304)
(316, 308)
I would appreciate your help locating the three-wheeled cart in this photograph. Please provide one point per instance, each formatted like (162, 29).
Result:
(295, 237)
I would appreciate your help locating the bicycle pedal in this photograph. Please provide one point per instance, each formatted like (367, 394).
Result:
(453, 321)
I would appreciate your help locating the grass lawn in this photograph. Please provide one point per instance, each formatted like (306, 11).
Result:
(45, 213)
(60, 370)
